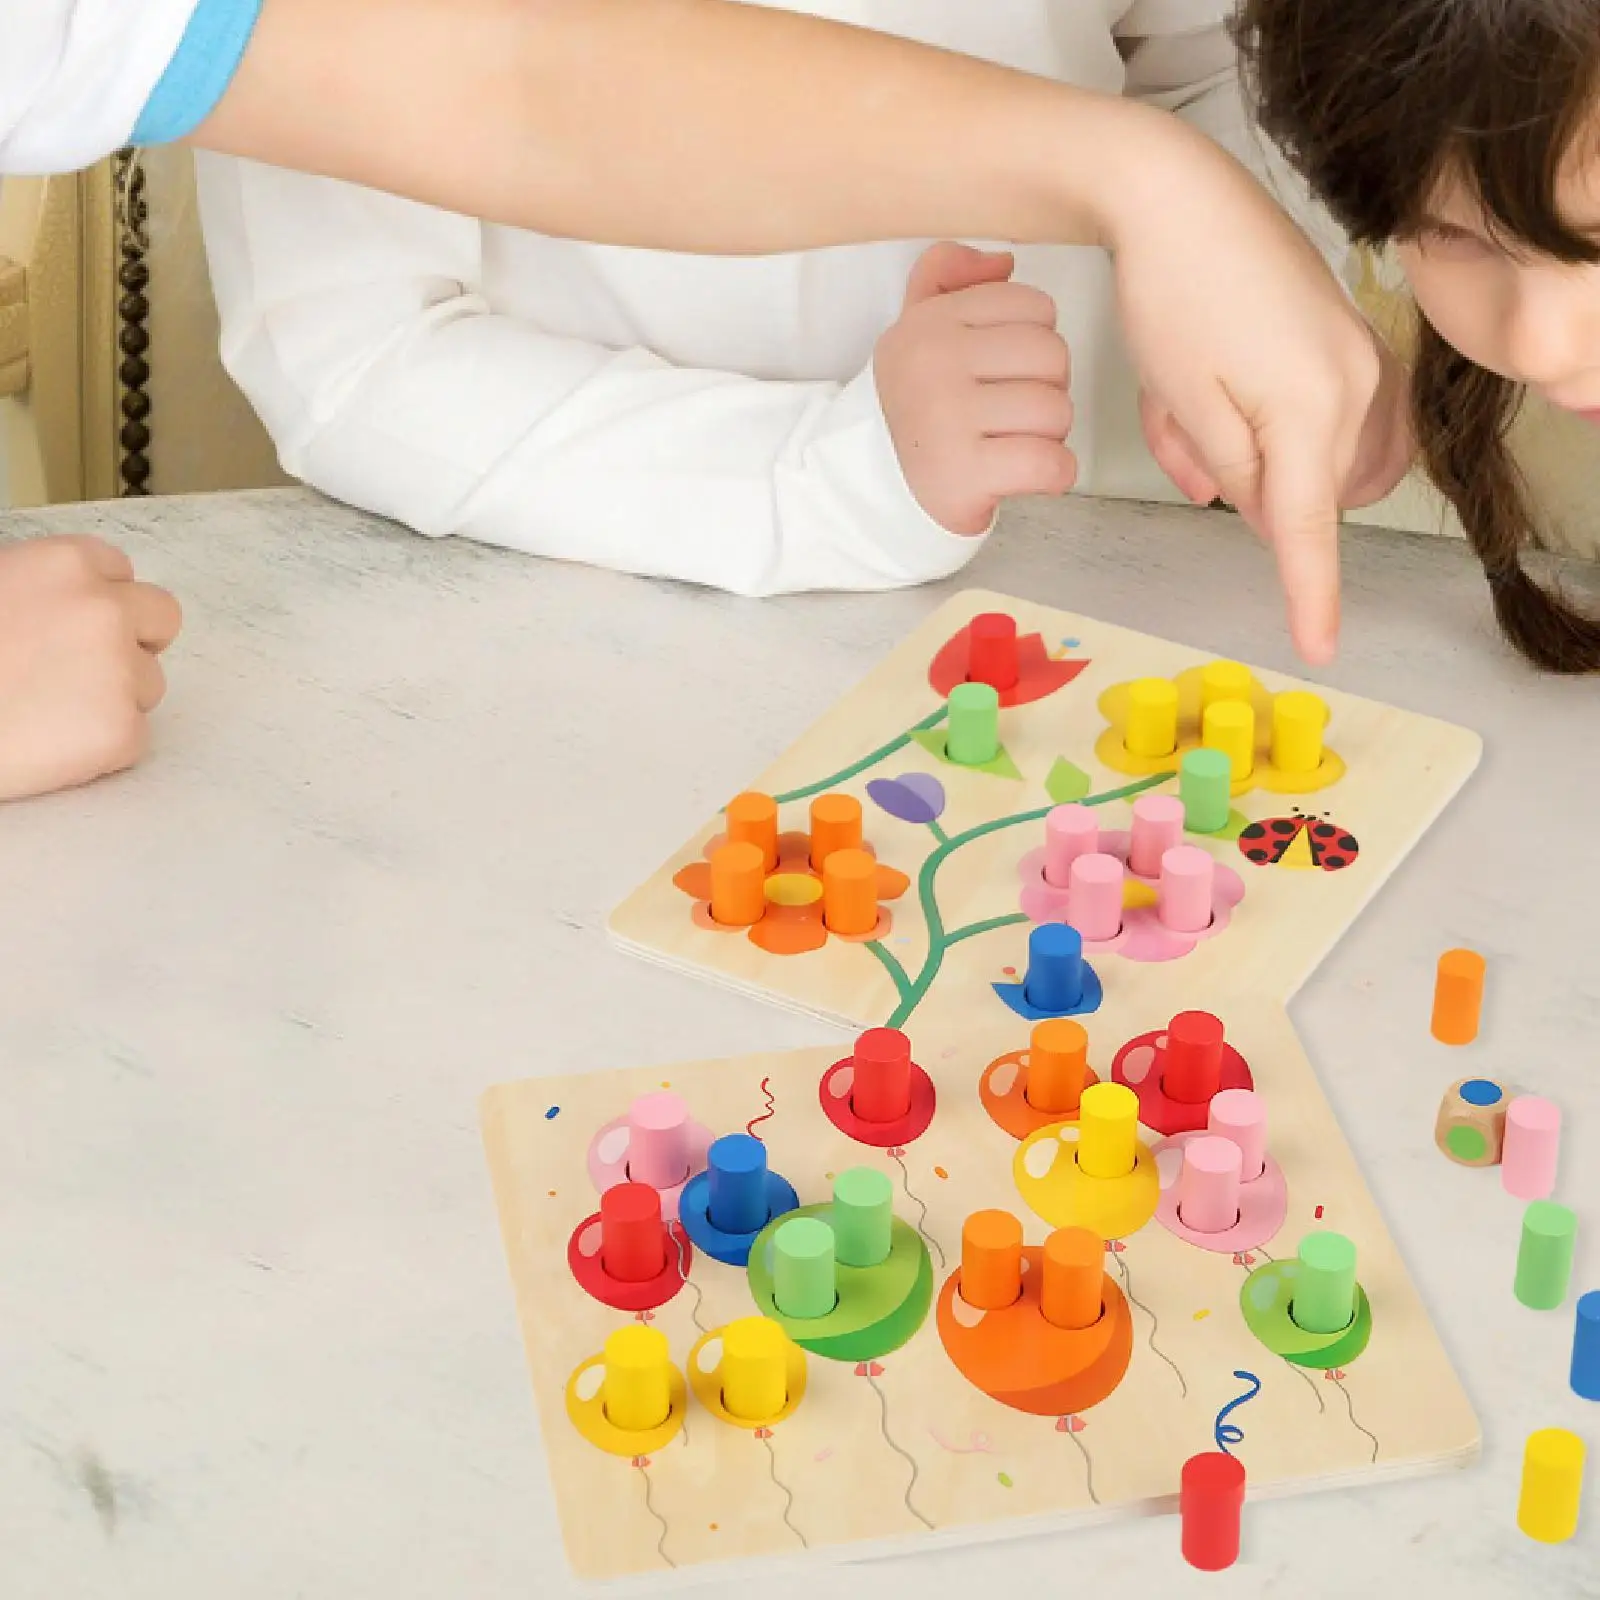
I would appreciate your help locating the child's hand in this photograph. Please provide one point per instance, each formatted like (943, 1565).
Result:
(1383, 458)
(973, 383)
(1241, 332)
(79, 641)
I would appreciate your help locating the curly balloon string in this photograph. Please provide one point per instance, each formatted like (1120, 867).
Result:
(1225, 1432)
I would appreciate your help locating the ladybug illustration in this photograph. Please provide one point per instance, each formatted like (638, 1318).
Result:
(1299, 841)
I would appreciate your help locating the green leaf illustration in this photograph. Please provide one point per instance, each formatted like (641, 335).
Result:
(933, 741)
(1066, 784)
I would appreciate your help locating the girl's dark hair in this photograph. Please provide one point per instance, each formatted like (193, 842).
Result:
(1376, 102)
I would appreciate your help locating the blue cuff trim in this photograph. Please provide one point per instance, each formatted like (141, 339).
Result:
(198, 76)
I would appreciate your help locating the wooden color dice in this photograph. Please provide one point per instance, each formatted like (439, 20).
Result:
(1472, 1120)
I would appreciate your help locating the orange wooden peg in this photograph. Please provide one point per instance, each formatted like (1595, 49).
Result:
(1058, 1056)
(991, 1260)
(753, 819)
(1073, 1293)
(738, 885)
(835, 825)
(1458, 997)
(850, 893)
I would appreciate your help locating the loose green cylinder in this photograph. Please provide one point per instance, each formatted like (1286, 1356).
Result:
(1205, 785)
(803, 1279)
(863, 1215)
(1325, 1286)
(972, 736)
(1544, 1260)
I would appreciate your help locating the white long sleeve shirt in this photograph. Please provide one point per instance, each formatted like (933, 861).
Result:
(80, 78)
(709, 420)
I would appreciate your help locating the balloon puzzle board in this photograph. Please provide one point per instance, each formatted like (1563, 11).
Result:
(1072, 1209)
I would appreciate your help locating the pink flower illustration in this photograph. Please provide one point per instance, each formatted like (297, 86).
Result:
(1143, 935)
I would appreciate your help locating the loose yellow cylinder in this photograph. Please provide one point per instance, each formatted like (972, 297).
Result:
(1298, 719)
(1552, 1485)
(1224, 680)
(1108, 1130)
(1230, 726)
(637, 1390)
(755, 1382)
(1152, 718)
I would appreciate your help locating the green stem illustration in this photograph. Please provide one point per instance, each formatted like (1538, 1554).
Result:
(939, 941)
(973, 929)
(902, 980)
(912, 991)
(899, 742)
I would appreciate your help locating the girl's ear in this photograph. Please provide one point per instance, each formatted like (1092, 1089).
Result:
(1462, 416)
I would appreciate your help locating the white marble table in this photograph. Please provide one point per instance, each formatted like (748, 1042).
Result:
(256, 1334)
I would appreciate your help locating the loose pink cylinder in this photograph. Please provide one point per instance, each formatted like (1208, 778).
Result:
(1208, 1186)
(1157, 828)
(1069, 832)
(1183, 896)
(1241, 1115)
(1094, 902)
(1531, 1147)
(658, 1141)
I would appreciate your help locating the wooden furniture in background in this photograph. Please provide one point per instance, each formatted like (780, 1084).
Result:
(110, 380)
(57, 311)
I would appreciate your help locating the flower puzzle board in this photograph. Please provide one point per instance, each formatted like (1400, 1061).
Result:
(1004, 868)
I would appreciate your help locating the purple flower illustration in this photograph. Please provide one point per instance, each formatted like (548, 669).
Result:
(916, 797)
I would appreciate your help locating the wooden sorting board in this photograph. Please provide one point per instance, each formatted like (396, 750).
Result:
(909, 1453)
(1401, 771)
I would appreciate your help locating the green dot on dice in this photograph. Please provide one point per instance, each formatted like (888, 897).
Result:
(972, 737)
(863, 1216)
(803, 1268)
(1325, 1286)
(1466, 1142)
(1544, 1261)
(1205, 785)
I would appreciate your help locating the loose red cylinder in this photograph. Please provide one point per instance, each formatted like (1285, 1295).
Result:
(633, 1238)
(1211, 1504)
(880, 1091)
(1191, 1071)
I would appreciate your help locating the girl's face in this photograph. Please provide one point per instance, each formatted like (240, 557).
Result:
(1528, 318)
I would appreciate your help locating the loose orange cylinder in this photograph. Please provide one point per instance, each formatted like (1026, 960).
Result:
(753, 819)
(1058, 1061)
(835, 825)
(1458, 997)
(850, 893)
(738, 885)
(991, 1260)
(1073, 1291)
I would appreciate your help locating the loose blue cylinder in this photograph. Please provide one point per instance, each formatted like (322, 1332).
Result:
(1586, 1348)
(1055, 968)
(736, 1180)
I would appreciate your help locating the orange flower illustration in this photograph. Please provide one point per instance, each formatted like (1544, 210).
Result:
(792, 920)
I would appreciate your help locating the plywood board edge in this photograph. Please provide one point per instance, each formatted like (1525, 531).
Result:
(731, 985)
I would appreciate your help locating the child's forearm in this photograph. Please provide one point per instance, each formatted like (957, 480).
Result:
(715, 127)
(692, 125)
